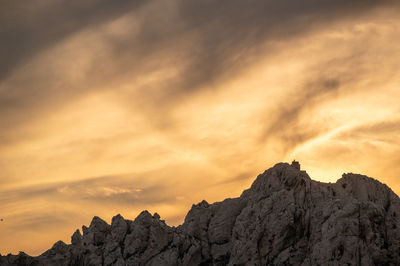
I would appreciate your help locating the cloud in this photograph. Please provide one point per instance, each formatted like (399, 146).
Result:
(287, 124)
(376, 131)
(207, 41)
(28, 28)
(124, 189)
(35, 221)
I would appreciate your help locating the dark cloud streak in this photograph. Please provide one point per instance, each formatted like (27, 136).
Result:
(123, 189)
(287, 126)
(29, 27)
(34, 221)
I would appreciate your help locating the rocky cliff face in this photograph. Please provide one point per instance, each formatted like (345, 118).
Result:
(284, 218)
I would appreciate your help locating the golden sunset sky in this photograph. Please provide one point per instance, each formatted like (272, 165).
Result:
(111, 107)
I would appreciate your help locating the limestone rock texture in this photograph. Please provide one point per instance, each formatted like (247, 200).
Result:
(284, 218)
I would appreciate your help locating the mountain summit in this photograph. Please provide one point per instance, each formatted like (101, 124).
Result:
(284, 218)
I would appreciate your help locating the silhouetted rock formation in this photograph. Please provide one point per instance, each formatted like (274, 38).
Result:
(284, 218)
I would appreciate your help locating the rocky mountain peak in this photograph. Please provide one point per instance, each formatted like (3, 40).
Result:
(76, 238)
(281, 176)
(284, 218)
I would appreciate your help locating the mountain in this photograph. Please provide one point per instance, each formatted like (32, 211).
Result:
(284, 218)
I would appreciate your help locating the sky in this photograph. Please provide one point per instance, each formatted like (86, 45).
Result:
(111, 107)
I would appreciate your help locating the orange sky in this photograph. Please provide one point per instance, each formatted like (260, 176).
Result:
(115, 107)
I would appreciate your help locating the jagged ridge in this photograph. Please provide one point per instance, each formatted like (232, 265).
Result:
(284, 218)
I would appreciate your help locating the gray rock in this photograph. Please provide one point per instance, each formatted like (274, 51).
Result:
(76, 238)
(284, 218)
(119, 229)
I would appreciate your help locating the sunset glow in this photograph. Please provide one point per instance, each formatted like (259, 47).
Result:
(157, 105)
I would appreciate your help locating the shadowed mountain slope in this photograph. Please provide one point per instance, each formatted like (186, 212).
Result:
(284, 218)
